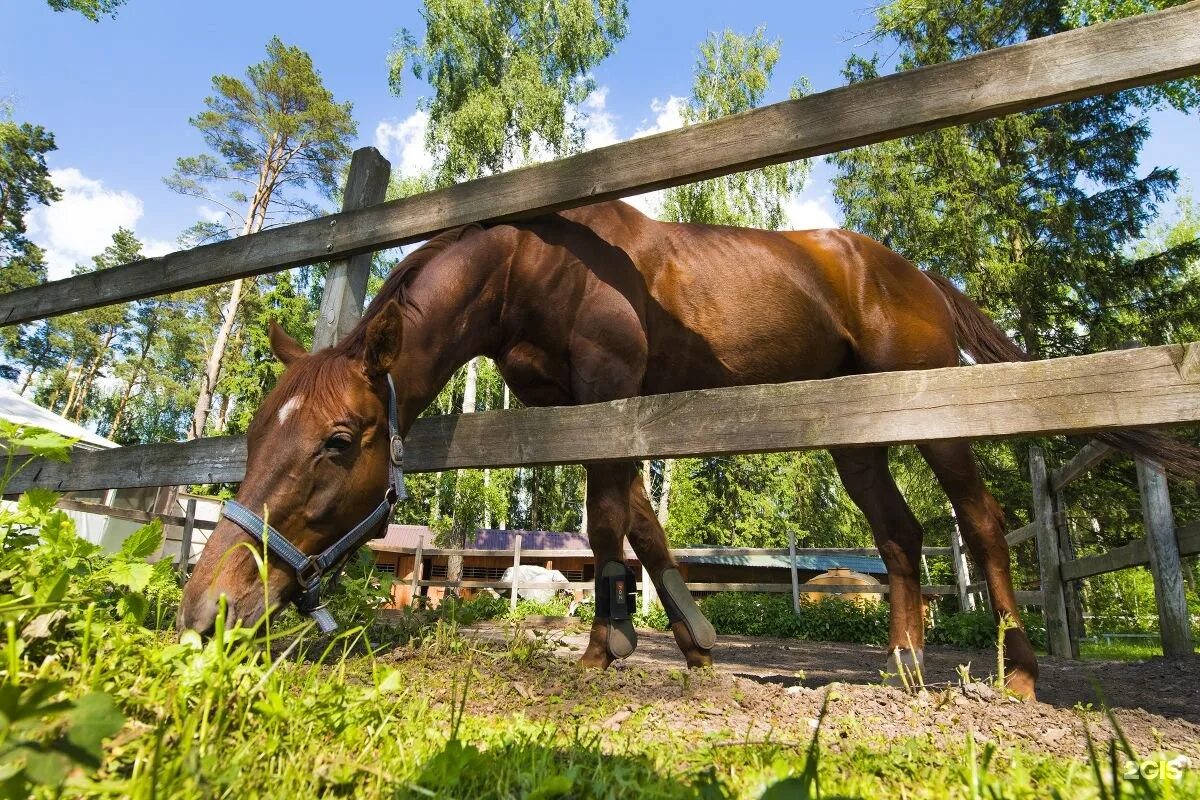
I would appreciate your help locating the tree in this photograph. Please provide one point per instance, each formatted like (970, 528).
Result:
(24, 181)
(1031, 213)
(507, 77)
(732, 74)
(746, 500)
(272, 137)
(92, 9)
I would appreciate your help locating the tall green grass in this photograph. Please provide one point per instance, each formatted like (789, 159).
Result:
(99, 698)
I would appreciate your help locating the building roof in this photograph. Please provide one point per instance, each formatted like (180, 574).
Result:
(407, 536)
(17, 409)
(820, 563)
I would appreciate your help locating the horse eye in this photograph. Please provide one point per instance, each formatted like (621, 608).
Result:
(339, 442)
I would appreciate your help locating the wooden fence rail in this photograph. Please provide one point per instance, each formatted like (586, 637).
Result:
(1119, 389)
(1160, 550)
(1103, 58)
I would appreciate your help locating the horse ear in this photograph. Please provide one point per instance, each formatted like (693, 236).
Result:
(285, 348)
(384, 335)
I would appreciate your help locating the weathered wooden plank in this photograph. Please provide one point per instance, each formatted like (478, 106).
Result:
(1174, 623)
(1088, 61)
(132, 514)
(1134, 554)
(346, 281)
(1130, 555)
(1022, 534)
(185, 541)
(1090, 455)
(682, 552)
(1120, 389)
(1027, 598)
(1058, 635)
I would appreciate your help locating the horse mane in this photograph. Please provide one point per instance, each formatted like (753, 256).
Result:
(399, 279)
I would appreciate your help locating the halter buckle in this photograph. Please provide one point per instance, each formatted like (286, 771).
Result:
(397, 450)
(309, 574)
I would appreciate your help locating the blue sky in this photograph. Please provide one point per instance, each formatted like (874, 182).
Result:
(118, 94)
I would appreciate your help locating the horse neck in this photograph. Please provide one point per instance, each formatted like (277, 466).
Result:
(451, 315)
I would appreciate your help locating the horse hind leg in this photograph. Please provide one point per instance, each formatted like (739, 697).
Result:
(898, 535)
(693, 632)
(982, 524)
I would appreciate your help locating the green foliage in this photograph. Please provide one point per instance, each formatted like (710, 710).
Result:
(974, 630)
(361, 590)
(732, 74)
(24, 181)
(91, 9)
(271, 136)
(508, 77)
(43, 736)
(832, 619)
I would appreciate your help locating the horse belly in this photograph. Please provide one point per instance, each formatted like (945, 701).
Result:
(772, 334)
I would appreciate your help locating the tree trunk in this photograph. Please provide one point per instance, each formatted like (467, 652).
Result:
(212, 367)
(664, 498)
(52, 403)
(461, 521)
(147, 342)
(255, 217)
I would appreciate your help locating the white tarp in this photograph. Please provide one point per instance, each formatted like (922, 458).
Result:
(529, 579)
(17, 409)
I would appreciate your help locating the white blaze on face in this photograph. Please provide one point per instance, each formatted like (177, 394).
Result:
(287, 408)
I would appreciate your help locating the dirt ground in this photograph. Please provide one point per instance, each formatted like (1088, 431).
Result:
(774, 689)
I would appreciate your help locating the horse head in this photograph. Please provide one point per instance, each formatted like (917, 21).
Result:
(317, 467)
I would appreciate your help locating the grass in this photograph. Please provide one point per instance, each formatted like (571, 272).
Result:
(1122, 650)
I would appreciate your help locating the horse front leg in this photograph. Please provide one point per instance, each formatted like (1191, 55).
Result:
(693, 632)
(613, 635)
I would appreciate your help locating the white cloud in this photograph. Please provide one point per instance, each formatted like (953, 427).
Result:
(805, 211)
(403, 143)
(82, 223)
(599, 125)
(668, 115)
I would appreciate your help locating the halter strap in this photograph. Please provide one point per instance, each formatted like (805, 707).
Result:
(310, 569)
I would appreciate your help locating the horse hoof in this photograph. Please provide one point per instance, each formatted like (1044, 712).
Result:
(698, 659)
(1022, 685)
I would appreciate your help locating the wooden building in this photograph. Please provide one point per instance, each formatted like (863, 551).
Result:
(395, 554)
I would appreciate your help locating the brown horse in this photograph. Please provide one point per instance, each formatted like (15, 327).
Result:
(597, 304)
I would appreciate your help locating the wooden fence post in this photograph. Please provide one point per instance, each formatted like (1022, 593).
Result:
(1054, 606)
(792, 568)
(346, 281)
(512, 602)
(962, 570)
(1066, 554)
(416, 573)
(185, 543)
(1163, 549)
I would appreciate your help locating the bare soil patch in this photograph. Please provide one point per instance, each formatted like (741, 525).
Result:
(771, 689)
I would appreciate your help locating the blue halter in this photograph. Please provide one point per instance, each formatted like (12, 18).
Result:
(311, 569)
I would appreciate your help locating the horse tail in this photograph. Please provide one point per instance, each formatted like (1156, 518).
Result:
(986, 343)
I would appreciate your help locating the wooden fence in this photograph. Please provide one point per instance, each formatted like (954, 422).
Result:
(1161, 550)
(420, 552)
(1148, 386)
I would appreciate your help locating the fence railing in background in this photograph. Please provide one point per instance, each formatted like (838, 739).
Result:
(1161, 550)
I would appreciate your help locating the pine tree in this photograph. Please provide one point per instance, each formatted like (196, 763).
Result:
(273, 137)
